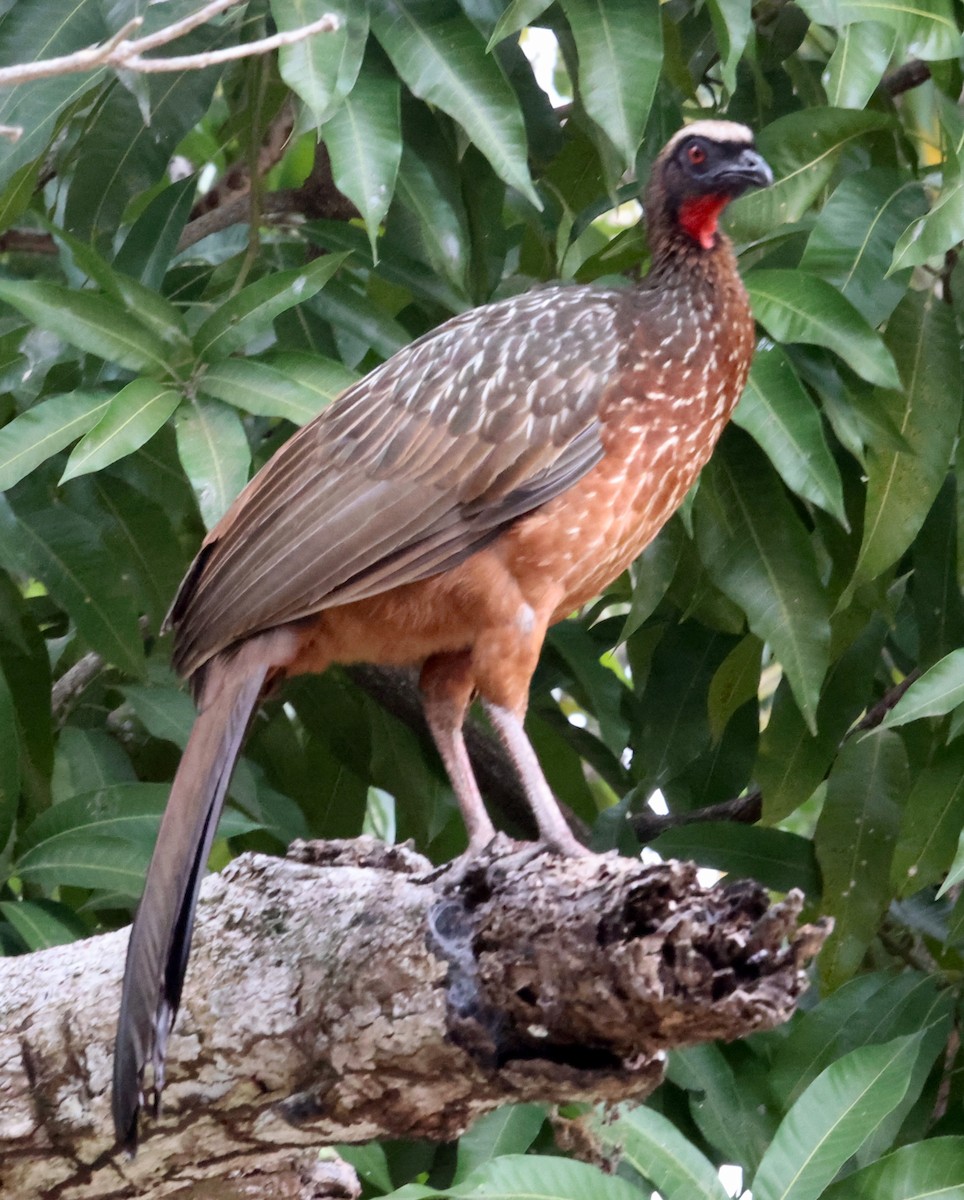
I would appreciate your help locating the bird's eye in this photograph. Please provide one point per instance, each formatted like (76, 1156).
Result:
(696, 154)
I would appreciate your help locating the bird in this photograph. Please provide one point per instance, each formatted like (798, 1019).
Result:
(481, 484)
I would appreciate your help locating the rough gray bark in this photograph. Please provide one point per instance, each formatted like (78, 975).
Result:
(349, 992)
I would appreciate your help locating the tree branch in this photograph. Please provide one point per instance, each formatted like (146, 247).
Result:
(349, 992)
(120, 52)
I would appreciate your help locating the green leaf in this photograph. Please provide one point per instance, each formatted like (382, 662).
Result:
(775, 858)
(214, 452)
(933, 820)
(932, 235)
(778, 413)
(125, 812)
(167, 713)
(832, 1118)
(620, 51)
(88, 861)
(508, 1130)
(43, 923)
(363, 137)
(267, 392)
(322, 70)
(758, 554)
(661, 1154)
(67, 554)
(929, 30)
(853, 239)
(795, 307)
(902, 484)
(515, 18)
(45, 429)
(802, 148)
(928, 1170)
(936, 692)
(542, 1178)
(248, 314)
(956, 872)
(732, 24)
(36, 106)
(9, 759)
(735, 683)
(90, 322)
(441, 56)
(133, 416)
(88, 760)
(854, 841)
(857, 65)
(721, 1104)
(152, 240)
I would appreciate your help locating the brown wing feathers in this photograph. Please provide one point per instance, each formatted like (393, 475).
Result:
(410, 471)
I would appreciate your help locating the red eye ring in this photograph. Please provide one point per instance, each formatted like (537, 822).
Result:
(696, 154)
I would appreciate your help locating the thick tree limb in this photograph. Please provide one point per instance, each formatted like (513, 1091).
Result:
(348, 993)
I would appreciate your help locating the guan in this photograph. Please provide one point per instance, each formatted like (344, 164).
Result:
(480, 485)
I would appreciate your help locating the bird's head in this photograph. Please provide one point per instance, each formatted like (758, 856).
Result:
(699, 171)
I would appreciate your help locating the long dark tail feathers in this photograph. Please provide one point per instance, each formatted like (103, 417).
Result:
(160, 940)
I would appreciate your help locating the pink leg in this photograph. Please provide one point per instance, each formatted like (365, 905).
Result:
(446, 693)
(552, 824)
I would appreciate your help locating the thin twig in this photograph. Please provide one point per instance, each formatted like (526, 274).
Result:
(120, 52)
(908, 75)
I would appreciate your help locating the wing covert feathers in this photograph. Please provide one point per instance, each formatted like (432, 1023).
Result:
(412, 469)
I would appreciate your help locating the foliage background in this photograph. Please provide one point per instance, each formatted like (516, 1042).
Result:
(181, 284)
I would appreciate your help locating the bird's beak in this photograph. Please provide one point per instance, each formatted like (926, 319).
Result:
(749, 169)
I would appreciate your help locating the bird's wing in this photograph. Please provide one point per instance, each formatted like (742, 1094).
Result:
(414, 468)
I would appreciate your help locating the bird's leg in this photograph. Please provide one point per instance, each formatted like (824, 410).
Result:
(553, 828)
(446, 685)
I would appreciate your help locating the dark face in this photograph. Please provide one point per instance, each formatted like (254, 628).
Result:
(700, 166)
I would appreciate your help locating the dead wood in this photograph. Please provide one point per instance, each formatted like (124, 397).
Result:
(349, 992)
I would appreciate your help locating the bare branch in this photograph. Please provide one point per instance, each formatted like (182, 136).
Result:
(121, 52)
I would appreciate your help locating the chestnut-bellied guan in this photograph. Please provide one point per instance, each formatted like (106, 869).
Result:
(480, 485)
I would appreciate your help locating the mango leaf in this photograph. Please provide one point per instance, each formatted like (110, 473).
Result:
(939, 690)
(66, 553)
(620, 51)
(45, 429)
(802, 148)
(9, 759)
(902, 484)
(266, 391)
(214, 451)
(928, 1170)
(852, 241)
(757, 552)
(429, 213)
(508, 1130)
(854, 841)
(36, 106)
(151, 242)
(90, 322)
(441, 56)
(832, 1118)
(857, 65)
(43, 923)
(517, 15)
(732, 25)
(127, 812)
(519, 1176)
(251, 311)
(87, 760)
(933, 820)
(928, 31)
(133, 416)
(363, 138)
(775, 858)
(932, 235)
(956, 872)
(795, 307)
(322, 70)
(661, 1154)
(167, 713)
(778, 413)
(87, 860)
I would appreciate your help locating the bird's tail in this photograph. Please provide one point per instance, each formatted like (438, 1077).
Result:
(160, 940)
